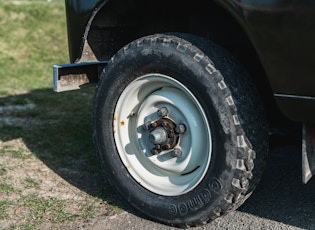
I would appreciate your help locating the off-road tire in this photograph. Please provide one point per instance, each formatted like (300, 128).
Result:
(227, 100)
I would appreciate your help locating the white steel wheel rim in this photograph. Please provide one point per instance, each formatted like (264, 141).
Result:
(162, 174)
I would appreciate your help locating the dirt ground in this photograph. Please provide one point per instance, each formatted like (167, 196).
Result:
(36, 195)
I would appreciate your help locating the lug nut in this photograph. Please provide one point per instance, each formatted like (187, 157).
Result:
(167, 146)
(146, 125)
(176, 152)
(154, 124)
(154, 152)
(162, 112)
(180, 128)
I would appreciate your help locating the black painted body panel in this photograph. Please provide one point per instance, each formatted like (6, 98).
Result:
(78, 15)
(281, 31)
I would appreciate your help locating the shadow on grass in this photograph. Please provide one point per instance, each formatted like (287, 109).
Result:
(57, 129)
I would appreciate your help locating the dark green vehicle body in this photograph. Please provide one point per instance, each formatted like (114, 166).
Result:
(273, 39)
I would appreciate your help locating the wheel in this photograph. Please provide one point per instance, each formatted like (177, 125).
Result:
(179, 129)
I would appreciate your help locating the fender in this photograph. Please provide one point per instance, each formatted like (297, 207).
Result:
(80, 14)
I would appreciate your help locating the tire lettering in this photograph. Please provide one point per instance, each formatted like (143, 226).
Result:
(215, 185)
(183, 210)
(194, 204)
(172, 210)
(199, 201)
(206, 196)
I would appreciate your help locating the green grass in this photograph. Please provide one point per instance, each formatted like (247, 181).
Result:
(40, 209)
(33, 37)
(3, 170)
(3, 209)
(31, 183)
(56, 132)
(7, 188)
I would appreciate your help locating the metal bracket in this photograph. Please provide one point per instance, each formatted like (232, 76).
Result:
(76, 76)
(308, 152)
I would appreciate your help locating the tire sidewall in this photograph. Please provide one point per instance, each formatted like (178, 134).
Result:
(132, 62)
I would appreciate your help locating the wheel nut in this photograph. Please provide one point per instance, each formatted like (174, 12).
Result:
(146, 125)
(176, 152)
(180, 128)
(162, 112)
(154, 152)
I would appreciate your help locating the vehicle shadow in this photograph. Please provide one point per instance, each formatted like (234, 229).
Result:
(58, 131)
(281, 196)
(56, 128)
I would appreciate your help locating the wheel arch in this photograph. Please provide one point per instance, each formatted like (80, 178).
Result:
(127, 18)
(116, 23)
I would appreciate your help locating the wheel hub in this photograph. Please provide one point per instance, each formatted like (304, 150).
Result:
(162, 135)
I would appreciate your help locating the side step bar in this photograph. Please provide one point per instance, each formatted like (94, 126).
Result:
(76, 76)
